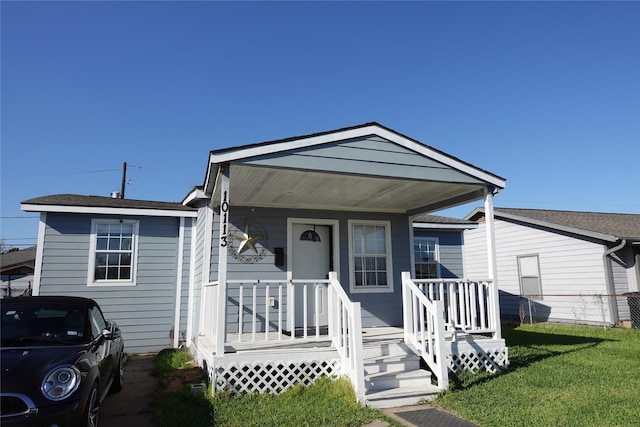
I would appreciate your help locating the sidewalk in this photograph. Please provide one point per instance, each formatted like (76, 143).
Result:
(132, 406)
(421, 416)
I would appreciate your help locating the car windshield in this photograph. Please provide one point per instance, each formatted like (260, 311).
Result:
(42, 323)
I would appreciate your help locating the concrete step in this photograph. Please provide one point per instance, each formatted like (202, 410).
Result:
(386, 381)
(405, 396)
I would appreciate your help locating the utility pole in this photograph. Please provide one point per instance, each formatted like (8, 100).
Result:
(124, 179)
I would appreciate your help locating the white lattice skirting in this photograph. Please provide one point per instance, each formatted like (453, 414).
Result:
(271, 376)
(490, 360)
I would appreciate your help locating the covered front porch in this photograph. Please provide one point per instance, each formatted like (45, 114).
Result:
(307, 240)
(449, 326)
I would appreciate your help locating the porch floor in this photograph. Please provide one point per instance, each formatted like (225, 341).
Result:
(275, 341)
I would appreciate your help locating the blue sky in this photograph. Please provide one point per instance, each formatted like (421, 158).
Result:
(544, 94)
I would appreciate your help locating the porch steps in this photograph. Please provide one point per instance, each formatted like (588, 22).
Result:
(393, 376)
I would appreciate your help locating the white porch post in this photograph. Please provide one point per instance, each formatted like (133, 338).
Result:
(491, 258)
(221, 312)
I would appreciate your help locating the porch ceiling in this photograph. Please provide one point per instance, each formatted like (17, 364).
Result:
(292, 188)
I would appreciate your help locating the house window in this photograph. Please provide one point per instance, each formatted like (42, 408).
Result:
(529, 275)
(427, 259)
(113, 252)
(370, 249)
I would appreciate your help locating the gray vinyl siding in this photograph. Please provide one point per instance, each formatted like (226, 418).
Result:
(378, 309)
(365, 156)
(568, 265)
(450, 251)
(144, 312)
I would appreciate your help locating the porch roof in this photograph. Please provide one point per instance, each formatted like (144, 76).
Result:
(365, 168)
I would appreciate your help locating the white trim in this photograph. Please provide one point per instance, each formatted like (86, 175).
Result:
(106, 210)
(335, 237)
(389, 255)
(276, 147)
(436, 251)
(443, 226)
(37, 274)
(192, 282)
(490, 235)
(412, 258)
(222, 251)
(176, 319)
(91, 282)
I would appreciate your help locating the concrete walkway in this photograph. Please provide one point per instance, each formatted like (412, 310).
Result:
(421, 416)
(132, 406)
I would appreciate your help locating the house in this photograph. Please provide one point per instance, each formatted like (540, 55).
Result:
(128, 255)
(438, 246)
(16, 269)
(295, 260)
(561, 266)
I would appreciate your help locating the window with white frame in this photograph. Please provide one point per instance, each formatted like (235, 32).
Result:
(529, 274)
(426, 257)
(370, 261)
(113, 252)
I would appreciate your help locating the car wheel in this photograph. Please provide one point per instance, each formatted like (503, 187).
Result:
(91, 414)
(118, 380)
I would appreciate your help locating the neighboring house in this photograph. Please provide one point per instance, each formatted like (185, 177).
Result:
(287, 256)
(16, 268)
(560, 266)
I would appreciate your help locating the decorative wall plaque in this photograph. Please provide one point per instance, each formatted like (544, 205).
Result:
(249, 245)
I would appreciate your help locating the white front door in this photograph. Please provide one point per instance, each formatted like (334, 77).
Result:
(311, 259)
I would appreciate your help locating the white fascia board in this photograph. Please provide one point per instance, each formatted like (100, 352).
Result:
(106, 211)
(260, 150)
(442, 158)
(433, 225)
(194, 195)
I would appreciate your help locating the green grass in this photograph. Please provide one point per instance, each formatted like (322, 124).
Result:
(325, 403)
(558, 376)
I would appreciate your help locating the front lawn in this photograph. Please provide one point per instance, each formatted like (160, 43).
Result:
(325, 403)
(559, 376)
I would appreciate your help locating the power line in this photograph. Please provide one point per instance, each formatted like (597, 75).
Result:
(60, 173)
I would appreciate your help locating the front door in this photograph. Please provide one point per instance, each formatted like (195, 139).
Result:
(311, 259)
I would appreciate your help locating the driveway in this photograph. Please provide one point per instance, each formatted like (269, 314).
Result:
(132, 407)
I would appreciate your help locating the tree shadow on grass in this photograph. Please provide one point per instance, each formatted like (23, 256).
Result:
(525, 349)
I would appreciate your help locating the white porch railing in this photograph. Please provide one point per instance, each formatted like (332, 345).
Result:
(469, 306)
(345, 329)
(424, 328)
(266, 313)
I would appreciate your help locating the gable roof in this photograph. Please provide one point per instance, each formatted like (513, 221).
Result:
(599, 225)
(366, 167)
(442, 222)
(105, 205)
(23, 257)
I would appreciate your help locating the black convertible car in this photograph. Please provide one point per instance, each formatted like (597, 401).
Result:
(59, 358)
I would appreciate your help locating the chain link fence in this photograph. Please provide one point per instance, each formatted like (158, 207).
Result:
(621, 310)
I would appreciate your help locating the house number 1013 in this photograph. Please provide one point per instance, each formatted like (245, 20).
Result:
(224, 208)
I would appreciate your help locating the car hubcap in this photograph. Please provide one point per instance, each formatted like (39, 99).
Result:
(94, 409)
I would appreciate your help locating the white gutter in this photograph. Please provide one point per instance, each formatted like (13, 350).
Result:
(608, 277)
